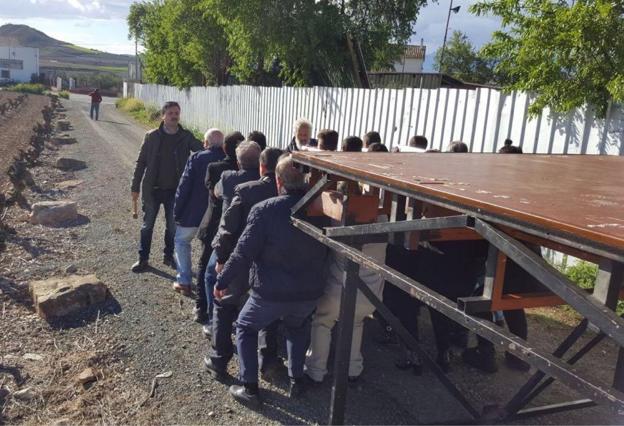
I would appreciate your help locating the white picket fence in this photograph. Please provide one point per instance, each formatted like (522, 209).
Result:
(481, 118)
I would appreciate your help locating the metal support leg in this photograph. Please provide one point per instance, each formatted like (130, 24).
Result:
(343, 345)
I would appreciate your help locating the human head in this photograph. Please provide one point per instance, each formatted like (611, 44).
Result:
(248, 155)
(213, 138)
(327, 140)
(287, 177)
(508, 148)
(230, 143)
(377, 147)
(418, 142)
(302, 131)
(352, 144)
(457, 146)
(371, 138)
(269, 159)
(171, 113)
(258, 137)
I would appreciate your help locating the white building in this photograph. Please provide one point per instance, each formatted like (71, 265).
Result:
(412, 59)
(18, 63)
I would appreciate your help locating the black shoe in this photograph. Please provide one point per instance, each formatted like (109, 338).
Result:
(516, 363)
(200, 315)
(169, 261)
(140, 266)
(245, 395)
(217, 373)
(444, 361)
(481, 359)
(297, 388)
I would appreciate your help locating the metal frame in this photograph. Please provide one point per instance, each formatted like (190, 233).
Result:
(595, 308)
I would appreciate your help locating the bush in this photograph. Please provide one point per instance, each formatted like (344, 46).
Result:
(63, 94)
(35, 89)
(583, 274)
(148, 115)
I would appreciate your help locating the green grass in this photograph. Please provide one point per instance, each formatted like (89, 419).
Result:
(35, 89)
(144, 114)
(80, 49)
(63, 94)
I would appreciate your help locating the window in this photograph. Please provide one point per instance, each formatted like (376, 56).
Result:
(15, 64)
(5, 74)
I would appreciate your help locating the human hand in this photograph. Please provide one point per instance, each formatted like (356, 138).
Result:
(219, 267)
(219, 294)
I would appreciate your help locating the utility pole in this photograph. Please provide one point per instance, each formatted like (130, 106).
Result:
(448, 20)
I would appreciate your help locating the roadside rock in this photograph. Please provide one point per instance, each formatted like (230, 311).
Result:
(33, 357)
(87, 376)
(53, 213)
(24, 395)
(60, 296)
(64, 140)
(70, 164)
(69, 184)
(62, 125)
(71, 269)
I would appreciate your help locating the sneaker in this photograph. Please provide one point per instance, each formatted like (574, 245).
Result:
(516, 363)
(246, 395)
(217, 373)
(481, 359)
(140, 266)
(297, 388)
(181, 288)
(169, 261)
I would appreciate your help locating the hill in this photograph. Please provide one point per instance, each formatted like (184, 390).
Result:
(60, 55)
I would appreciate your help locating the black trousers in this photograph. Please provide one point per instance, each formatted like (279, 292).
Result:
(202, 298)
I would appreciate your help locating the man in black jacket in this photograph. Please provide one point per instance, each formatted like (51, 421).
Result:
(287, 278)
(210, 222)
(158, 169)
(233, 221)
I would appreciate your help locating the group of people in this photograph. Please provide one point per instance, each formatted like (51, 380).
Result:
(260, 275)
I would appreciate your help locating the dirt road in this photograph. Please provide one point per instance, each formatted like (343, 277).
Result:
(148, 329)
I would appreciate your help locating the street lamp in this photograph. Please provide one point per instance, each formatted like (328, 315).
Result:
(448, 19)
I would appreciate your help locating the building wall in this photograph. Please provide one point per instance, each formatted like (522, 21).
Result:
(481, 118)
(409, 65)
(20, 63)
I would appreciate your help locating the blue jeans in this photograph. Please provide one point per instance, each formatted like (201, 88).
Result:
(160, 197)
(183, 237)
(210, 279)
(258, 314)
(95, 108)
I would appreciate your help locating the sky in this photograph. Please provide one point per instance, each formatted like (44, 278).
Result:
(101, 24)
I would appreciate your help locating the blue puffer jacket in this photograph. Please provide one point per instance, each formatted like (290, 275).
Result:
(286, 264)
(191, 198)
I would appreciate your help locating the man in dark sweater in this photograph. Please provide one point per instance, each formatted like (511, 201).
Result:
(191, 202)
(286, 277)
(158, 169)
(210, 222)
(233, 221)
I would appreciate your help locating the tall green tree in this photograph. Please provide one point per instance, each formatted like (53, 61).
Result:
(462, 61)
(569, 54)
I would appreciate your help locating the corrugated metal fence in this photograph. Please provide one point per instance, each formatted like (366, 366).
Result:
(482, 118)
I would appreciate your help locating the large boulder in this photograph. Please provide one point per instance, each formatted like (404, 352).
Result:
(62, 125)
(63, 140)
(53, 213)
(60, 296)
(70, 164)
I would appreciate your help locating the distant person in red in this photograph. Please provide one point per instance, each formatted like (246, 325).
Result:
(96, 99)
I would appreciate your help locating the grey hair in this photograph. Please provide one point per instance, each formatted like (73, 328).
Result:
(299, 123)
(213, 138)
(292, 178)
(248, 154)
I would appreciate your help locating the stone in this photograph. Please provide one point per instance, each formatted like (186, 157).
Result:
(71, 269)
(53, 213)
(69, 184)
(70, 164)
(33, 357)
(64, 140)
(86, 376)
(62, 125)
(24, 395)
(60, 296)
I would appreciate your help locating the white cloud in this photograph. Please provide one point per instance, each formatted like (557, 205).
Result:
(65, 9)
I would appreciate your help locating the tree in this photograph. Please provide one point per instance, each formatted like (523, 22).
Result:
(570, 54)
(463, 62)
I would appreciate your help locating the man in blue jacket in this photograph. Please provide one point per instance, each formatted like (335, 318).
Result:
(191, 201)
(286, 276)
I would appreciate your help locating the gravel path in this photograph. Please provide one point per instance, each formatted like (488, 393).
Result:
(148, 328)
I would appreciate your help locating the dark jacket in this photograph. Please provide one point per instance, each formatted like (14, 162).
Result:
(210, 221)
(229, 180)
(191, 198)
(286, 264)
(233, 221)
(146, 169)
(292, 146)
